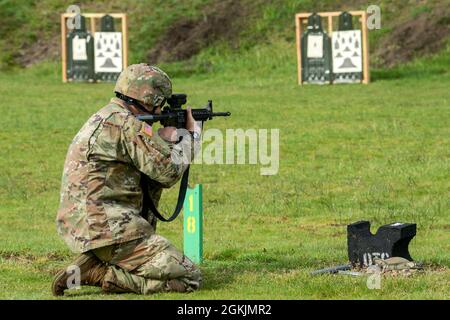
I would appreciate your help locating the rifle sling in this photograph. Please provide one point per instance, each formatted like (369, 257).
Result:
(147, 202)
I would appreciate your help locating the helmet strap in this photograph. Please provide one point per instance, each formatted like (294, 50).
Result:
(133, 101)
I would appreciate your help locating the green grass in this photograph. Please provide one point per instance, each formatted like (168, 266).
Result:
(347, 153)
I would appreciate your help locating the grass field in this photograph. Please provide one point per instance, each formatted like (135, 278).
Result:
(347, 153)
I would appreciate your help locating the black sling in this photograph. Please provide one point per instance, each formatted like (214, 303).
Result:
(147, 202)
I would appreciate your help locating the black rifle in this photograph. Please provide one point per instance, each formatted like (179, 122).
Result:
(337, 269)
(174, 116)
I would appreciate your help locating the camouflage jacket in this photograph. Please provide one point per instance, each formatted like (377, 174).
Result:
(101, 196)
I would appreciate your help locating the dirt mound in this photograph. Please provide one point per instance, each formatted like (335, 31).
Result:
(426, 34)
(35, 52)
(186, 37)
(223, 20)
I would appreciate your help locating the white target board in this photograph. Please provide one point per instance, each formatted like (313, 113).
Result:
(108, 52)
(79, 49)
(347, 53)
(315, 46)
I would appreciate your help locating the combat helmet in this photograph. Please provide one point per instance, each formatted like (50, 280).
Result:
(145, 84)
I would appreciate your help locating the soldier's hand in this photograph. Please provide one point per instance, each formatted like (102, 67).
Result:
(190, 121)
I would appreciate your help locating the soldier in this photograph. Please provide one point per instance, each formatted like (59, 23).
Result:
(100, 213)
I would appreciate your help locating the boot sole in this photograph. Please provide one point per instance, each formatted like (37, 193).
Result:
(57, 278)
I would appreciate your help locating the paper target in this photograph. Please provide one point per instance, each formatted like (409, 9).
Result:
(79, 49)
(315, 46)
(347, 53)
(108, 52)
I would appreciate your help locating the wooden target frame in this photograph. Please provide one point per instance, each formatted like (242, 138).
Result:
(92, 21)
(301, 19)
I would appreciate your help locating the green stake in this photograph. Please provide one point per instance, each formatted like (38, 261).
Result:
(193, 224)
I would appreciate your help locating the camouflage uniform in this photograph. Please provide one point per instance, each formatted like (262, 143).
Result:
(101, 195)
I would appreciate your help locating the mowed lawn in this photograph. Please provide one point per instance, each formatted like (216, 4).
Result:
(347, 153)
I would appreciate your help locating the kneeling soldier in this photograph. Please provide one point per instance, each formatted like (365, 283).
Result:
(100, 213)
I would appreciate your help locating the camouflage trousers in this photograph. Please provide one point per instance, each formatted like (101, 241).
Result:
(148, 265)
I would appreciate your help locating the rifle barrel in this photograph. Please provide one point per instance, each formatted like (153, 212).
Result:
(221, 114)
(336, 269)
(155, 117)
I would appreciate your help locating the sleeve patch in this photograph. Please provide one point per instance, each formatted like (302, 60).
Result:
(147, 130)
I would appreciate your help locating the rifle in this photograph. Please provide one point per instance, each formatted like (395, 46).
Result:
(336, 269)
(174, 116)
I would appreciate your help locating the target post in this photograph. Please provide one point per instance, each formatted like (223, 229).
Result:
(193, 224)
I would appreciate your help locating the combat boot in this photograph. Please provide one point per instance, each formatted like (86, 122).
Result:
(175, 285)
(92, 272)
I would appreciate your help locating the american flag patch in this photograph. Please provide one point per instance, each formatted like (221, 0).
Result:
(147, 130)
